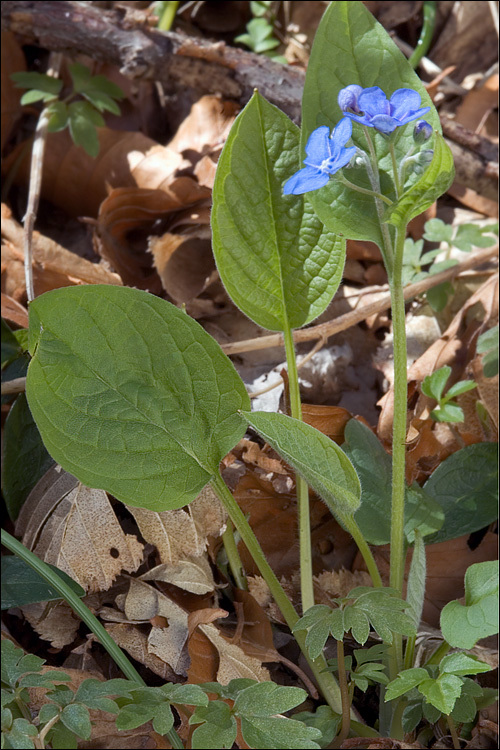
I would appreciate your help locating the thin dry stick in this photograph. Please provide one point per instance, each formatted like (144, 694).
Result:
(35, 184)
(356, 316)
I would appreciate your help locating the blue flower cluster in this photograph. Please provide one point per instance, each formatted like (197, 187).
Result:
(326, 154)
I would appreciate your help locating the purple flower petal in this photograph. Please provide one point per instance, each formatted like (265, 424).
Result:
(305, 180)
(318, 147)
(403, 102)
(348, 97)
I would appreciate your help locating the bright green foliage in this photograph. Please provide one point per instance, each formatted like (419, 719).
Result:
(82, 117)
(10, 345)
(154, 704)
(321, 462)
(433, 386)
(463, 625)
(366, 672)
(373, 466)
(260, 31)
(256, 706)
(487, 344)
(130, 394)
(351, 47)
(465, 485)
(465, 237)
(276, 260)
(414, 260)
(25, 459)
(22, 585)
(324, 719)
(361, 608)
(440, 687)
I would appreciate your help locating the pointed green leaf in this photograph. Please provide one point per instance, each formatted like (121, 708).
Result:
(462, 664)
(271, 732)
(75, 717)
(433, 385)
(319, 460)
(39, 81)
(275, 258)
(130, 394)
(443, 692)
(22, 585)
(461, 387)
(404, 682)
(267, 699)
(351, 47)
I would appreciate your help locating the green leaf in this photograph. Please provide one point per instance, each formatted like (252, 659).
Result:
(435, 181)
(134, 715)
(44, 680)
(351, 47)
(462, 664)
(40, 81)
(437, 297)
(431, 714)
(267, 699)
(323, 719)
(321, 462)
(416, 581)
(462, 626)
(412, 716)
(443, 692)
(464, 709)
(61, 738)
(461, 387)
(319, 621)
(448, 412)
(94, 694)
(10, 345)
(25, 458)
(163, 719)
(58, 116)
(19, 736)
(469, 236)
(191, 695)
(30, 97)
(276, 260)
(75, 717)
(433, 385)
(373, 466)
(437, 231)
(272, 732)
(404, 682)
(15, 663)
(488, 342)
(218, 729)
(130, 394)
(465, 485)
(83, 120)
(383, 609)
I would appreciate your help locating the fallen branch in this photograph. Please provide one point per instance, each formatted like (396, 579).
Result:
(325, 330)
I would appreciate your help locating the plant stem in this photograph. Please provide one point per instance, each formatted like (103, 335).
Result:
(453, 732)
(410, 652)
(426, 34)
(325, 679)
(354, 530)
(395, 170)
(344, 691)
(373, 176)
(48, 575)
(233, 557)
(352, 186)
(306, 574)
(168, 15)
(438, 654)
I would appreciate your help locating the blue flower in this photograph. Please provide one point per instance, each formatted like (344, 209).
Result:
(326, 154)
(371, 107)
(422, 131)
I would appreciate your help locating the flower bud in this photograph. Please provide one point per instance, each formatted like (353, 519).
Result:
(422, 160)
(348, 98)
(422, 131)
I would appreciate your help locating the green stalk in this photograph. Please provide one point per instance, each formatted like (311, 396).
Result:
(48, 575)
(344, 690)
(233, 557)
(352, 186)
(366, 553)
(306, 574)
(168, 15)
(426, 34)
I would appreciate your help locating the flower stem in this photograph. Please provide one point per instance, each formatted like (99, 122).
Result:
(352, 186)
(354, 530)
(74, 601)
(395, 170)
(326, 681)
(453, 732)
(306, 580)
(373, 176)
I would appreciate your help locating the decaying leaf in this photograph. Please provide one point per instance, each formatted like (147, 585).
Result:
(136, 643)
(233, 661)
(74, 527)
(53, 621)
(192, 574)
(180, 534)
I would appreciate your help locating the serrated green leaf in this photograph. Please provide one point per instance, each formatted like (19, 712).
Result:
(30, 97)
(102, 102)
(404, 682)
(82, 128)
(462, 626)
(46, 679)
(465, 485)
(22, 585)
(47, 712)
(278, 732)
(358, 623)
(61, 738)
(351, 47)
(323, 719)
(276, 260)
(191, 695)
(443, 692)
(319, 460)
(40, 81)
(464, 709)
(75, 717)
(58, 116)
(134, 715)
(433, 385)
(94, 694)
(218, 729)
(130, 394)
(469, 236)
(437, 231)
(268, 699)
(448, 413)
(20, 733)
(462, 664)
(16, 663)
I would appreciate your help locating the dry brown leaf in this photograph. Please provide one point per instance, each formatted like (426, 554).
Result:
(254, 455)
(136, 644)
(338, 583)
(74, 527)
(206, 127)
(233, 661)
(330, 420)
(12, 62)
(475, 107)
(53, 621)
(178, 534)
(473, 200)
(193, 574)
(13, 312)
(53, 265)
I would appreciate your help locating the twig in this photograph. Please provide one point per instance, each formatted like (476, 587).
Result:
(17, 385)
(35, 183)
(356, 316)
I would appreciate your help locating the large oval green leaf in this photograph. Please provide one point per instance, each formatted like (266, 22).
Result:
(319, 460)
(130, 394)
(275, 258)
(351, 47)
